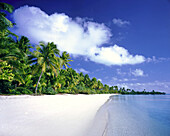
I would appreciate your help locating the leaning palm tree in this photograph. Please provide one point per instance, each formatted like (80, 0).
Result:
(44, 57)
(65, 58)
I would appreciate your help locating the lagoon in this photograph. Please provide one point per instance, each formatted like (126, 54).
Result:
(138, 115)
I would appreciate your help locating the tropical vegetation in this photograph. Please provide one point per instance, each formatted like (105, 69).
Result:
(41, 69)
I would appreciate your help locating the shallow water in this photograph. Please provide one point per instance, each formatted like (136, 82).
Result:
(138, 115)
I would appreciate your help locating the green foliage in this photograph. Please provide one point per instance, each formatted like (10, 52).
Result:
(6, 71)
(44, 57)
(4, 22)
(5, 85)
(63, 91)
(23, 71)
(132, 92)
(22, 90)
(50, 91)
(65, 58)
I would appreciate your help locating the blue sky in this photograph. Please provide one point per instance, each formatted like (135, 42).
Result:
(120, 42)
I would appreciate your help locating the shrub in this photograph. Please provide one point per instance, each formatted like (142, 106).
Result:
(49, 90)
(22, 90)
(5, 85)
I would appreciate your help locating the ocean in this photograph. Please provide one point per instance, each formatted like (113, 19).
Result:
(138, 115)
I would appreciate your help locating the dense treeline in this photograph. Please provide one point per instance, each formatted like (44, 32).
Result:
(132, 92)
(43, 70)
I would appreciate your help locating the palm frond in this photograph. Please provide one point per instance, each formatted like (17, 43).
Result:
(5, 21)
(6, 7)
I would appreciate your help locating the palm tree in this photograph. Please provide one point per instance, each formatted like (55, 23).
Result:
(4, 22)
(65, 58)
(94, 83)
(72, 77)
(81, 76)
(87, 80)
(62, 79)
(18, 55)
(24, 44)
(44, 57)
(7, 43)
(23, 51)
(106, 88)
(100, 85)
(20, 66)
(19, 49)
(81, 79)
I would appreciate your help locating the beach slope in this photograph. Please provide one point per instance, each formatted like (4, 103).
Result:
(57, 115)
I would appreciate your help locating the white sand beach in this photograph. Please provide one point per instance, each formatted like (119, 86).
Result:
(55, 115)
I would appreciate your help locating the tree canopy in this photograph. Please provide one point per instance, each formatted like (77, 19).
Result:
(43, 70)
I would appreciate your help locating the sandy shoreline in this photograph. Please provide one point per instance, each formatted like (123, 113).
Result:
(56, 115)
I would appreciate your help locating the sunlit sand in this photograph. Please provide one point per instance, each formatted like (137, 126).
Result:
(57, 115)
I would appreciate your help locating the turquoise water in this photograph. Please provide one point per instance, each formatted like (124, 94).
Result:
(138, 115)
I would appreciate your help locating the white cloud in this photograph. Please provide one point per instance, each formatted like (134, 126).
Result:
(119, 72)
(138, 72)
(117, 80)
(78, 37)
(114, 55)
(70, 35)
(82, 70)
(114, 78)
(157, 60)
(125, 80)
(153, 59)
(125, 85)
(119, 22)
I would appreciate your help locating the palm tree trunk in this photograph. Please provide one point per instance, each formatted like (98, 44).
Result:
(38, 82)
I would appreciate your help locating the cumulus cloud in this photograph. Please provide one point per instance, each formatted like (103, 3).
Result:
(77, 36)
(138, 72)
(119, 22)
(114, 55)
(82, 70)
